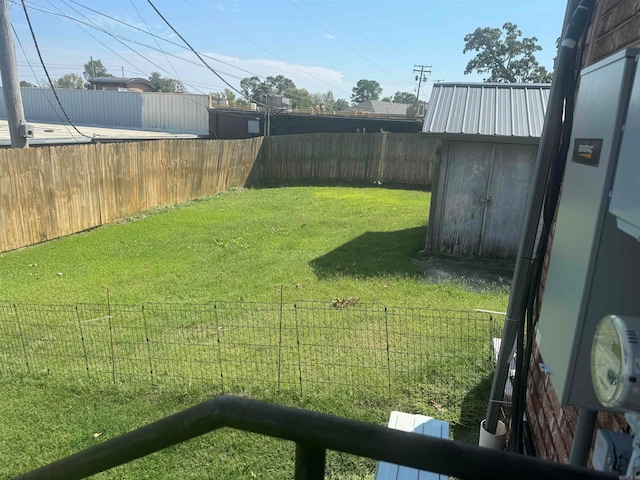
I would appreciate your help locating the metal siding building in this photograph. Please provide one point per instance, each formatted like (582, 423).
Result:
(185, 113)
(489, 135)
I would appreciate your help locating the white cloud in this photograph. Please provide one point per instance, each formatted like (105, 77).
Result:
(329, 36)
(219, 6)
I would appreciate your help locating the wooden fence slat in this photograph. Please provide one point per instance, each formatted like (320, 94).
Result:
(49, 192)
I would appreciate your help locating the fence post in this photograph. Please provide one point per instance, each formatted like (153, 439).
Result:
(84, 348)
(386, 325)
(215, 309)
(280, 342)
(24, 347)
(146, 335)
(295, 309)
(113, 358)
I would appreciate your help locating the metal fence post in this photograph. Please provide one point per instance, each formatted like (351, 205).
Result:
(146, 336)
(386, 323)
(24, 346)
(84, 348)
(280, 342)
(113, 357)
(310, 462)
(215, 309)
(295, 308)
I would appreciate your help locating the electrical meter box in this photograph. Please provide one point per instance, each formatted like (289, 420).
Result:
(594, 269)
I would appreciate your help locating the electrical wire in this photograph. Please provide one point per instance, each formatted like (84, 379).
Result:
(261, 47)
(154, 38)
(197, 54)
(135, 67)
(345, 43)
(55, 94)
(38, 82)
(39, 8)
(380, 34)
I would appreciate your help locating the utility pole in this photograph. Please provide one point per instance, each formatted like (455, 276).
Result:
(10, 84)
(421, 71)
(122, 71)
(93, 70)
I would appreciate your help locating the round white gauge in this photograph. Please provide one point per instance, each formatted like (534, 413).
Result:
(615, 362)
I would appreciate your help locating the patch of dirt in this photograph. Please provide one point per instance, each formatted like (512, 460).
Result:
(475, 273)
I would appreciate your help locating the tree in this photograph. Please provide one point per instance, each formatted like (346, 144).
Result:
(324, 100)
(279, 84)
(231, 97)
(94, 69)
(386, 99)
(404, 97)
(252, 88)
(166, 84)
(69, 80)
(300, 98)
(365, 90)
(341, 104)
(505, 55)
(25, 84)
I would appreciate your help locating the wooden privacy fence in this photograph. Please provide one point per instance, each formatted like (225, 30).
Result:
(402, 158)
(49, 192)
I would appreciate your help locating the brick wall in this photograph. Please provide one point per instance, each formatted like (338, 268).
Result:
(615, 25)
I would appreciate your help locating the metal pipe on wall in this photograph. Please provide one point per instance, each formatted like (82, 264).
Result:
(547, 150)
(582, 439)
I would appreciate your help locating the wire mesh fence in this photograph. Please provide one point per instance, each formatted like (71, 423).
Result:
(303, 347)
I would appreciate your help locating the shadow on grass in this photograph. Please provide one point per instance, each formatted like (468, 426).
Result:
(472, 411)
(373, 254)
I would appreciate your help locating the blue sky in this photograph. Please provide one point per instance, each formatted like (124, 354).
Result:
(320, 44)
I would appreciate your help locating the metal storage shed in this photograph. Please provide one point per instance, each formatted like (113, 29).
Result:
(488, 136)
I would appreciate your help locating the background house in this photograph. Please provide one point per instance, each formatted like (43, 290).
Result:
(382, 108)
(121, 84)
(489, 135)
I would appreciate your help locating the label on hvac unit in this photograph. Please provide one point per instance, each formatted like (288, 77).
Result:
(587, 151)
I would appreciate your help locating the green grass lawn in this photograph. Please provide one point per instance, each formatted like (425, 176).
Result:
(318, 243)
(315, 243)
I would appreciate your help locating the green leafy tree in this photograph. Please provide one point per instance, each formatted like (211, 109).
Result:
(26, 84)
(166, 84)
(341, 104)
(256, 90)
(94, 69)
(386, 99)
(505, 55)
(365, 90)
(324, 100)
(404, 97)
(231, 97)
(279, 84)
(300, 98)
(69, 80)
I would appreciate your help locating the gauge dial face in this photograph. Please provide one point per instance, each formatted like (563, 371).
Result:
(607, 362)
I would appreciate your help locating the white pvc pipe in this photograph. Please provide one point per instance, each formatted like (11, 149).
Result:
(491, 440)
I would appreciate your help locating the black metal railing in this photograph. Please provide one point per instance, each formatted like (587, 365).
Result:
(314, 434)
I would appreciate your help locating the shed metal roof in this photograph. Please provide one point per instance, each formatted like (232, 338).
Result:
(119, 80)
(501, 109)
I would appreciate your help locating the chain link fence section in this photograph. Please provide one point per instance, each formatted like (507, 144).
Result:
(304, 347)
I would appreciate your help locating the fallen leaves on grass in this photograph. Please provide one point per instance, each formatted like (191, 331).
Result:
(345, 302)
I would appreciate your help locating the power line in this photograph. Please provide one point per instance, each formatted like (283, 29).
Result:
(345, 43)
(198, 55)
(148, 32)
(55, 94)
(155, 39)
(261, 47)
(36, 79)
(379, 33)
(115, 35)
(421, 76)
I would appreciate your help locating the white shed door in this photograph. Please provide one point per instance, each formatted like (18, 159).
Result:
(465, 196)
